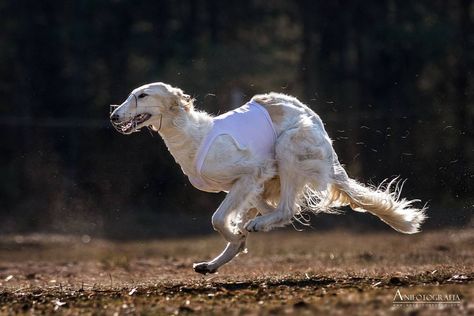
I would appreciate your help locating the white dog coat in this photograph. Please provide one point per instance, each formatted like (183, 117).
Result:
(251, 128)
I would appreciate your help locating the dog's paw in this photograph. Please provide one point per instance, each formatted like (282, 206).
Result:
(254, 225)
(203, 268)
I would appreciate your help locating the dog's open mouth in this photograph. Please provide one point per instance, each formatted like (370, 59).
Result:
(129, 126)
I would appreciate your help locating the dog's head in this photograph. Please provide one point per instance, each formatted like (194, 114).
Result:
(149, 105)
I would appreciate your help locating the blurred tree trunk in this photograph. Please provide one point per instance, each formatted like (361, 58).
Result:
(213, 20)
(191, 29)
(309, 49)
(463, 102)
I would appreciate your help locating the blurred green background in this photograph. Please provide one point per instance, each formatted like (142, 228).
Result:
(392, 80)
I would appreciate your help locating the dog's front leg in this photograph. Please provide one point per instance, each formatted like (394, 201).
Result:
(228, 220)
(229, 215)
(231, 250)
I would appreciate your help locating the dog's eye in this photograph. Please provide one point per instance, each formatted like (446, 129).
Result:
(142, 95)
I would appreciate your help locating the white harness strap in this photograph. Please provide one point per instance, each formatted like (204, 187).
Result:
(251, 128)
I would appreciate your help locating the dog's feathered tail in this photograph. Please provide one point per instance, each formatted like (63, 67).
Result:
(383, 201)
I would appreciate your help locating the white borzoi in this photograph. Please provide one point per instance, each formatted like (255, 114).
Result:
(304, 173)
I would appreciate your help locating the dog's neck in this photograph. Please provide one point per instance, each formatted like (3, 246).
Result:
(183, 136)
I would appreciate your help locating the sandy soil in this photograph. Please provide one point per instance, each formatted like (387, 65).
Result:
(328, 273)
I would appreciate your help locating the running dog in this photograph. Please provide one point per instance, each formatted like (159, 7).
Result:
(272, 156)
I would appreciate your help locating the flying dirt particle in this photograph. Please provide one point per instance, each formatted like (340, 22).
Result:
(300, 304)
(58, 304)
(396, 281)
(184, 309)
(442, 248)
(367, 256)
(86, 239)
(8, 278)
(459, 278)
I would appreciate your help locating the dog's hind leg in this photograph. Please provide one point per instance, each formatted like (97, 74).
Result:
(291, 184)
(286, 209)
(262, 206)
(264, 202)
(302, 156)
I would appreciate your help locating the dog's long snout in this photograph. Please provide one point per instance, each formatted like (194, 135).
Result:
(114, 118)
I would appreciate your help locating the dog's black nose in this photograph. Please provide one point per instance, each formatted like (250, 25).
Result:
(114, 118)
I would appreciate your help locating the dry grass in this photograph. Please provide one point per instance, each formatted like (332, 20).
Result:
(287, 272)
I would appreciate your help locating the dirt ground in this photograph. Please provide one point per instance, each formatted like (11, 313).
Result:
(327, 273)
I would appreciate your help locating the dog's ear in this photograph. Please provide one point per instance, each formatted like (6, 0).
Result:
(182, 100)
(148, 91)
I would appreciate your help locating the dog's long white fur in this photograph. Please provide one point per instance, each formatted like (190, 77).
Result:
(305, 176)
